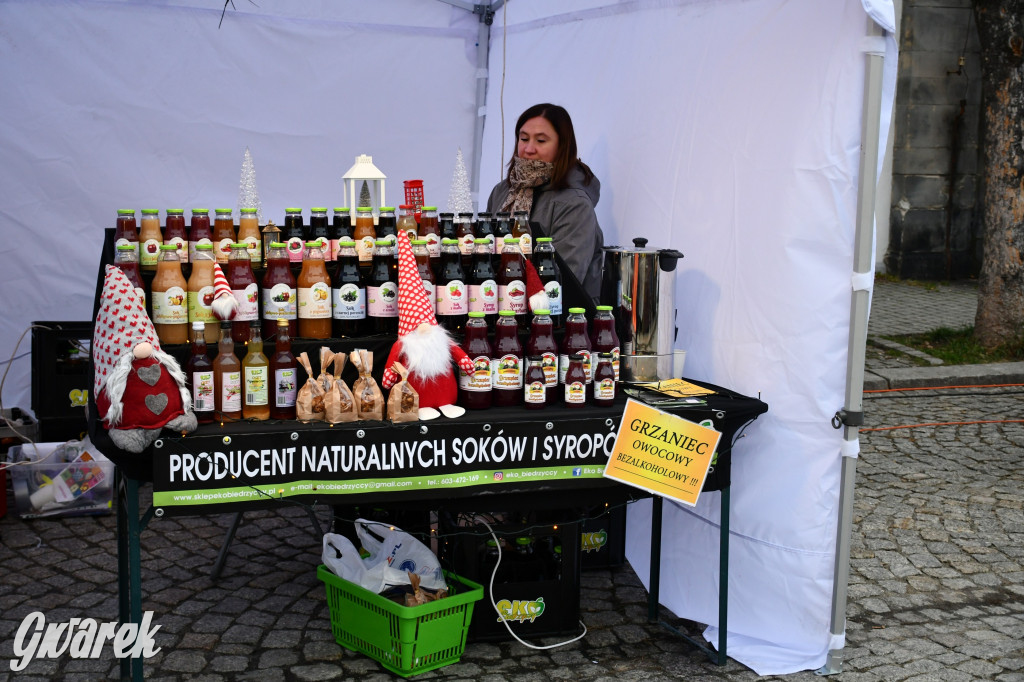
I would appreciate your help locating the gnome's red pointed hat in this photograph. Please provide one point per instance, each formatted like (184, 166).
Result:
(414, 306)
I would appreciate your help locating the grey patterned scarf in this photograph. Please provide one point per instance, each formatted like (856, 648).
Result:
(525, 175)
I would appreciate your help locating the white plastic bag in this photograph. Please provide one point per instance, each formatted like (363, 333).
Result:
(399, 550)
(341, 556)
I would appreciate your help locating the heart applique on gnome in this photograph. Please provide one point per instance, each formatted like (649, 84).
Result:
(423, 346)
(139, 388)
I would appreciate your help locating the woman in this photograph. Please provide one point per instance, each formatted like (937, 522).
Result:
(547, 179)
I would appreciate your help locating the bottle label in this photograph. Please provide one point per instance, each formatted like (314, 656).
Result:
(507, 372)
(382, 301)
(480, 379)
(280, 302)
(285, 387)
(123, 242)
(170, 307)
(452, 298)
(223, 250)
(231, 392)
(483, 298)
(315, 301)
(202, 391)
(554, 291)
(433, 245)
(349, 302)
(604, 389)
(182, 247)
(364, 247)
(254, 247)
(549, 363)
(256, 385)
(149, 252)
(466, 245)
(248, 303)
(526, 244)
(199, 302)
(192, 247)
(535, 393)
(296, 248)
(431, 294)
(512, 296)
(576, 393)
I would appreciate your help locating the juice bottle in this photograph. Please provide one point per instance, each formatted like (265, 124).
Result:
(126, 231)
(387, 224)
(284, 375)
(199, 230)
(314, 295)
(294, 235)
(169, 302)
(542, 344)
(280, 297)
(174, 232)
(603, 338)
(512, 282)
(550, 276)
(502, 229)
(341, 230)
(150, 239)
(575, 341)
(199, 375)
(446, 224)
(475, 391)
(419, 252)
(245, 290)
(522, 233)
(200, 292)
(507, 361)
(483, 289)
(227, 377)
(255, 378)
(575, 384)
(223, 234)
(319, 232)
(365, 235)
(604, 380)
(250, 235)
(382, 290)
(431, 231)
(534, 385)
(348, 293)
(125, 258)
(407, 221)
(466, 233)
(452, 293)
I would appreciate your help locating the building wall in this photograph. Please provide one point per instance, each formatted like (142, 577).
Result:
(933, 220)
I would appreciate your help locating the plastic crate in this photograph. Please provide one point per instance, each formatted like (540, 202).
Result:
(405, 640)
(60, 377)
(603, 538)
(89, 483)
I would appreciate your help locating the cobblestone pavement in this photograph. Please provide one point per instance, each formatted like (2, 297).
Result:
(936, 583)
(909, 308)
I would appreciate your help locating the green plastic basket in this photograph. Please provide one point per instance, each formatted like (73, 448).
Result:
(405, 640)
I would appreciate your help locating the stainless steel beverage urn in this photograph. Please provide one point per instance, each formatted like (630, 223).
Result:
(641, 284)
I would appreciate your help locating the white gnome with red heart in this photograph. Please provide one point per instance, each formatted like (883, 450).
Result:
(425, 348)
(139, 388)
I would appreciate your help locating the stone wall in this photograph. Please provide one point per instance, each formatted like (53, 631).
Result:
(933, 223)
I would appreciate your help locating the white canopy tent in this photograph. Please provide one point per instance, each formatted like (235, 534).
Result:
(729, 129)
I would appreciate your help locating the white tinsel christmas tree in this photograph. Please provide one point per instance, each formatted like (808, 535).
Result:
(460, 198)
(248, 193)
(364, 196)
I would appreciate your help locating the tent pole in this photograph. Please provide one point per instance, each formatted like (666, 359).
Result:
(853, 409)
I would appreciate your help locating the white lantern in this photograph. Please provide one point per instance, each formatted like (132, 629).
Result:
(363, 170)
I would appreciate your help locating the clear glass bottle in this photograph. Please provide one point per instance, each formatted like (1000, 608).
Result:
(550, 276)
(475, 390)
(280, 292)
(314, 288)
(250, 235)
(199, 375)
(200, 292)
(199, 231)
(174, 233)
(245, 290)
(169, 299)
(507, 362)
(227, 378)
(284, 375)
(150, 239)
(126, 231)
(223, 234)
(431, 231)
(126, 259)
(255, 378)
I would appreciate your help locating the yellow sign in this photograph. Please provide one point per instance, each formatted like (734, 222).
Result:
(661, 453)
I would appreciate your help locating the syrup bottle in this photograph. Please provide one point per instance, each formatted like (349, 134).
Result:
(575, 384)
(284, 374)
(483, 289)
(542, 344)
(255, 378)
(512, 282)
(534, 384)
(227, 377)
(199, 375)
(475, 390)
(604, 380)
(507, 361)
(603, 337)
(575, 341)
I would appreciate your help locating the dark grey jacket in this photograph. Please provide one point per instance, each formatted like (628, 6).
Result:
(567, 216)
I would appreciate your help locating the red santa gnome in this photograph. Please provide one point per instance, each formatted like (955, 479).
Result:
(139, 388)
(423, 346)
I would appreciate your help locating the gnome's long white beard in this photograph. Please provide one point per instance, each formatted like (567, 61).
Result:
(117, 381)
(427, 351)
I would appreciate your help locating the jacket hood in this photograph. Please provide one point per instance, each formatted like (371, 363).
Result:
(592, 190)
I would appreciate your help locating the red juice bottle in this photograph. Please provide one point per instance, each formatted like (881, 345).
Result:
(483, 289)
(475, 391)
(431, 231)
(603, 338)
(604, 381)
(199, 375)
(466, 233)
(507, 361)
(534, 385)
(575, 384)
(246, 291)
(543, 345)
(512, 282)
(575, 341)
(199, 231)
(174, 232)
(452, 293)
(126, 231)
(126, 259)
(284, 375)
(280, 296)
